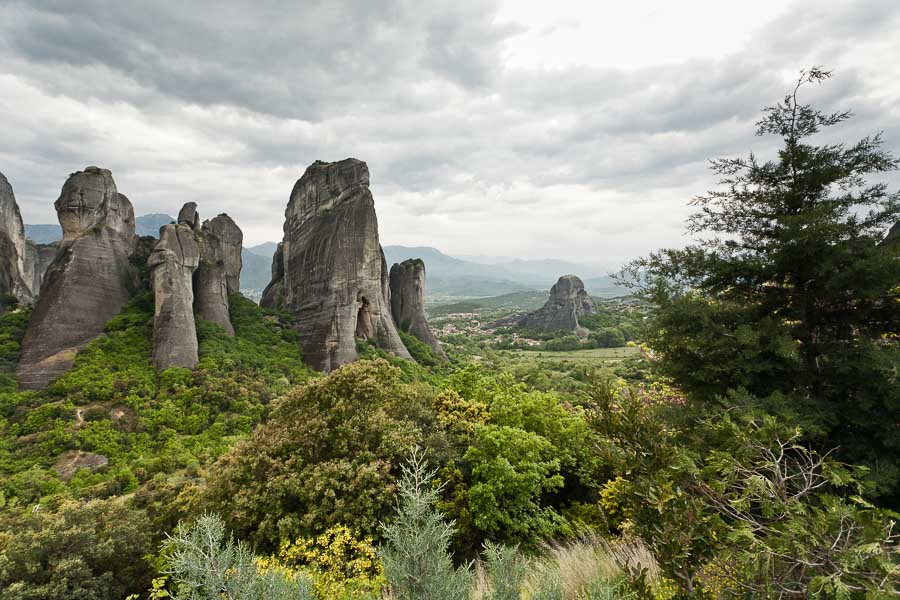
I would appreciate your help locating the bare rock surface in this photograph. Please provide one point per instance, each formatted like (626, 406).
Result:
(172, 265)
(231, 240)
(408, 302)
(38, 258)
(88, 281)
(14, 280)
(70, 462)
(568, 301)
(211, 278)
(335, 280)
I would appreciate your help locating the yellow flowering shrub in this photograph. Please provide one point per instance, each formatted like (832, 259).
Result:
(343, 566)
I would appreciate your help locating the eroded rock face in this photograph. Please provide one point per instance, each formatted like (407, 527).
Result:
(568, 301)
(172, 266)
(273, 295)
(211, 278)
(335, 280)
(231, 239)
(37, 260)
(89, 280)
(13, 248)
(408, 302)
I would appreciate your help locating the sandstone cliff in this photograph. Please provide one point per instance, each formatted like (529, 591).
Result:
(335, 281)
(14, 280)
(88, 281)
(172, 266)
(408, 302)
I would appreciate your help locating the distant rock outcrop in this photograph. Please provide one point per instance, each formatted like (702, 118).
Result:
(14, 280)
(408, 302)
(273, 295)
(568, 301)
(89, 280)
(335, 281)
(172, 266)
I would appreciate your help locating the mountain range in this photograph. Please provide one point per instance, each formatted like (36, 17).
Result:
(449, 278)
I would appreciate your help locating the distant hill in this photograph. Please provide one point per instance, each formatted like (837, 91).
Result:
(450, 278)
(256, 271)
(150, 224)
(43, 234)
(143, 225)
(266, 249)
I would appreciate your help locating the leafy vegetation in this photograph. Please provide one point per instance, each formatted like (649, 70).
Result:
(739, 447)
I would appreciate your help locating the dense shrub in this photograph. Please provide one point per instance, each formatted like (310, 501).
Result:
(92, 550)
(327, 456)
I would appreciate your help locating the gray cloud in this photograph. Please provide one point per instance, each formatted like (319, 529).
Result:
(226, 103)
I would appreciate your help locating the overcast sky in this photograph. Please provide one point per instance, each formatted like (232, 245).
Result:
(565, 129)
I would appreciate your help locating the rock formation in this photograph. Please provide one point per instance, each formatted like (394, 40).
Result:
(231, 239)
(273, 295)
(192, 268)
(335, 281)
(37, 259)
(408, 302)
(172, 266)
(211, 279)
(88, 281)
(568, 301)
(13, 249)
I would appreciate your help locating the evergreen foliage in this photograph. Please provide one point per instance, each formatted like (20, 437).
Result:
(788, 292)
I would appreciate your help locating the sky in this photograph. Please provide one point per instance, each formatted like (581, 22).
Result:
(518, 128)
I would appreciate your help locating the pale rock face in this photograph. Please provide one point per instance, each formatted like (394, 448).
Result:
(335, 281)
(231, 239)
(89, 280)
(172, 266)
(189, 216)
(14, 278)
(211, 278)
(408, 302)
(37, 259)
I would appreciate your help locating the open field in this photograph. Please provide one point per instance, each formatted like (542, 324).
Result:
(591, 356)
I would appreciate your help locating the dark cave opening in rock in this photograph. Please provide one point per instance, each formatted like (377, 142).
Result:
(363, 319)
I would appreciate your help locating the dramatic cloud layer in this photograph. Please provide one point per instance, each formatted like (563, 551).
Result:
(537, 129)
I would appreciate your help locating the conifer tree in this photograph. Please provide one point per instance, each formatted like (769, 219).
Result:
(790, 291)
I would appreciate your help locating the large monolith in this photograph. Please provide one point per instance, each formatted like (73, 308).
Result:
(568, 301)
(172, 265)
(408, 302)
(89, 280)
(231, 240)
(14, 279)
(216, 240)
(335, 275)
